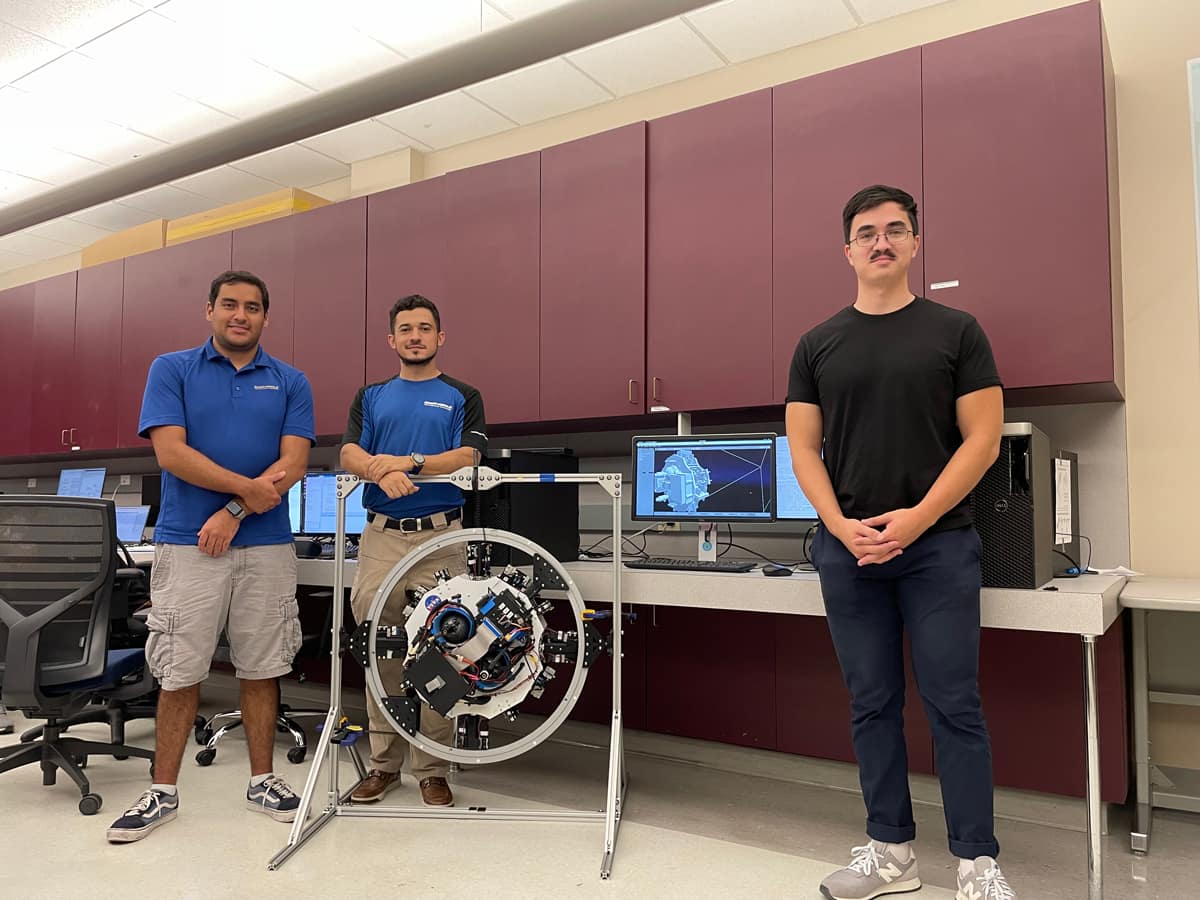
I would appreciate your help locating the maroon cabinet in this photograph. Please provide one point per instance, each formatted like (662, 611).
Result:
(330, 299)
(165, 300)
(16, 369)
(406, 254)
(492, 312)
(54, 375)
(708, 256)
(1017, 193)
(268, 250)
(593, 270)
(825, 149)
(94, 399)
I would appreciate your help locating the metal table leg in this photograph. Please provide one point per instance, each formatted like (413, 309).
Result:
(1095, 863)
(1139, 837)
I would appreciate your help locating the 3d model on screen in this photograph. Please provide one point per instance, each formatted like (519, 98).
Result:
(682, 482)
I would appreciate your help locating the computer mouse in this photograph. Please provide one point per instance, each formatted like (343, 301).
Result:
(772, 569)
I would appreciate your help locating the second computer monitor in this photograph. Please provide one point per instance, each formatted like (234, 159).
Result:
(81, 483)
(704, 477)
(320, 506)
(791, 502)
(293, 498)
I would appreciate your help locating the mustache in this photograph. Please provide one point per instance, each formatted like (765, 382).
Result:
(888, 253)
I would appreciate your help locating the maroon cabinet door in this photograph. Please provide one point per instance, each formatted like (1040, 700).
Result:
(1016, 192)
(708, 256)
(53, 364)
(594, 276)
(166, 297)
(492, 312)
(406, 254)
(97, 337)
(330, 297)
(16, 368)
(825, 149)
(268, 250)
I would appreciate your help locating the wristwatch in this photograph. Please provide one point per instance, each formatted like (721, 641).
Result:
(418, 463)
(235, 509)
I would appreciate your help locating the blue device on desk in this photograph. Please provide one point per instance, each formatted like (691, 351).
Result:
(320, 506)
(81, 483)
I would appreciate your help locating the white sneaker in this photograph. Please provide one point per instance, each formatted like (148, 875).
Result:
(984, 881)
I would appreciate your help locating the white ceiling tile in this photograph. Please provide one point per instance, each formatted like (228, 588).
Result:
(34, 245)
(67, 22)
(46, 163)
(14, 188)
(490, 17)
(413, 29)
(167, 202)
(22, 52)
(877, 10)
(294, 166)
(660, 54)
(744, 29)
(444, 121)
(540, 91)
(112, 216)
(227, 184)
(70, 231)
(10, 261)
(362, 140)
(522, 9)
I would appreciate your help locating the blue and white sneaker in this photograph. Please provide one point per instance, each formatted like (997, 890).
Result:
(152, 809)
(274, 798)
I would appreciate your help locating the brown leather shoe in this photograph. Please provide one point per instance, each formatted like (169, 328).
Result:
(374, 786)
(435, 792)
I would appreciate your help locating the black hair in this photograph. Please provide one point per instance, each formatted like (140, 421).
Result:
(877, 195)
(239, 276)
(413, 301)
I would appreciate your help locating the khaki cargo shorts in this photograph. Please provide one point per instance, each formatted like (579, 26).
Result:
(247, 592)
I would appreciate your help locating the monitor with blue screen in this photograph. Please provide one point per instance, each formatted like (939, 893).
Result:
(320, 506)
(704, 478)
(792, 504)
(131, 523)
(81, 482)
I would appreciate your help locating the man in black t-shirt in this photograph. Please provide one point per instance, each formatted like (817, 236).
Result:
(903, 397)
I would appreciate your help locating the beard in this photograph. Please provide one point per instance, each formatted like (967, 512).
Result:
(418, 361)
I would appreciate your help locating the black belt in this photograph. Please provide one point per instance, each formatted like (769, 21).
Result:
(409, 526)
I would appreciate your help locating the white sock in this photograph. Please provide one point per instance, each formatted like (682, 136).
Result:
(902, 852)
(165, 788)
(256, 780)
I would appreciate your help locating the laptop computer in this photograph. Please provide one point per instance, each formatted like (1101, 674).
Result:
(131, 523)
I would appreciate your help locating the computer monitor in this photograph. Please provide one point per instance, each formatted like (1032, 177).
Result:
(131, 523)
(295, 492)
(791, 502)
(704, 478)
(81, 483)
(320, 506)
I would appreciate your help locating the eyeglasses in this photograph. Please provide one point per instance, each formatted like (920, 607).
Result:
(895, 236)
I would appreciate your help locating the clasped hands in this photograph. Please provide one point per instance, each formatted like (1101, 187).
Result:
(882, 538)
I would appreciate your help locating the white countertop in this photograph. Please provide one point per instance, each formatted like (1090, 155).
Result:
(1172, 594)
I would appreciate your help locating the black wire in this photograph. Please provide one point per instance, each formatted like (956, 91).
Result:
(773, 562)
(1074, 565)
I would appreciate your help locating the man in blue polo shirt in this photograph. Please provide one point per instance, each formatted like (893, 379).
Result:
(231, 429)
(418, 422)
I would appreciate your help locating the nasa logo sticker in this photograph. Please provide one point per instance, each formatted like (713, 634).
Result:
(431, 601)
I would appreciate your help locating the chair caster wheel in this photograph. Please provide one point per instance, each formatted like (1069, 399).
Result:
(81, 761)
(206, 756)
(120, 757)
(90, 804)
(203, 735)
(297, 754)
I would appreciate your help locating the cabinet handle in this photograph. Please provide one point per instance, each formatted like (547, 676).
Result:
(63, 440)
(71, 439)
(654, 388)
(632, 383)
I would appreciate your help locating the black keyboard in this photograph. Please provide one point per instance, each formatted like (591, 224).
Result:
(689, 565)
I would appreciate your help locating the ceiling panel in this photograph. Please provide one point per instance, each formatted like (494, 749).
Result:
(14, 188)
(69, 231)
(540, 91)
(660, 54)
(112, 216)
(447, 120)
(67, 22)
(167, 202)
(520, 9)
(877, 10)
(34, 245)
(294, 166)
(13, 260)
(413, 29)
(362, 140)
(226, 184)
(21, 52)
(45, 163)
(744, 29)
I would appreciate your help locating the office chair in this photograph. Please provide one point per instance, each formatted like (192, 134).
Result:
(57, 565)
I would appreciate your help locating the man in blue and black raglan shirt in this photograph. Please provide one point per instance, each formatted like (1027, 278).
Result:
(418, 422)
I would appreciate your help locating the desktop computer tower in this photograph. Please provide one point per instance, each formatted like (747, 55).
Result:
(547, 514)
(1014, 512)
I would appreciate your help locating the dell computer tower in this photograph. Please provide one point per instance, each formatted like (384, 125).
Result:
(1014, 511)
(547, 514)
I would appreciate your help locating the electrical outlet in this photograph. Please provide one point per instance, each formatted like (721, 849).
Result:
(667, 526)
(124, 480)
(31, 483)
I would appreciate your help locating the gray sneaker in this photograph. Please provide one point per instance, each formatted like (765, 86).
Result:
(274, 798)
(152, 809)
(984, 882)
(873, 872)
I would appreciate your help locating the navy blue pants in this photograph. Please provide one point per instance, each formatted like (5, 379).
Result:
(932, 590)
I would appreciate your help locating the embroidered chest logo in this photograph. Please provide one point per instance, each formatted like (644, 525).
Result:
(446, 406)
(266, 387)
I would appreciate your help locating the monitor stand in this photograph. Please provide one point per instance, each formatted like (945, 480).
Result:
(706, 541)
